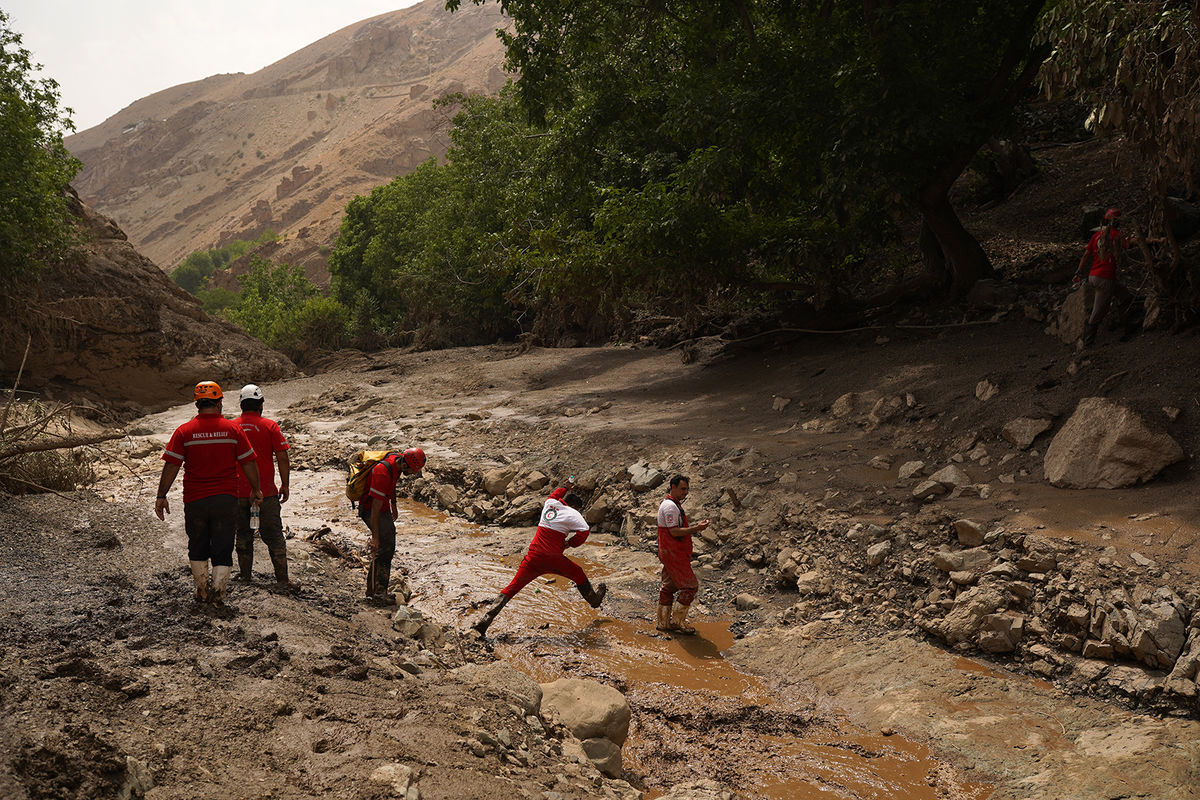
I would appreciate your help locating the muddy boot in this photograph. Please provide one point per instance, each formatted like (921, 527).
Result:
(500, 602)
(200, 576)
(282, 583)
(246, 567)
(1089, 333)
(594, 596)
(679, 623)
(220, 585)
(663, 621)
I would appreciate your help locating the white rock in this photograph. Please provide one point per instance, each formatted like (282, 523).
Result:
(1107, 446)
(588, 708)
(1023, 430)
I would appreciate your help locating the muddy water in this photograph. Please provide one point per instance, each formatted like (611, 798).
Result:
(694, 712)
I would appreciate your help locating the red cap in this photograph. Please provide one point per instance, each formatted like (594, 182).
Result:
(1112, 213)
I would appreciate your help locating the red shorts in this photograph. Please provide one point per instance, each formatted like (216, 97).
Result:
(677, 576)
(537, 564)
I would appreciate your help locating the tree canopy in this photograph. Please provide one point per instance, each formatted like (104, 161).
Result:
(35, 167)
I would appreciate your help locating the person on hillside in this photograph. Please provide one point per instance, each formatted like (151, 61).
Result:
(210, 449)
(378, 510)
(559, 527)
(675, 553)
(270, 447)
(1105, 251)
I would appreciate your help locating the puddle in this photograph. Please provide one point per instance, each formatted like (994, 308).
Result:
(694, 713)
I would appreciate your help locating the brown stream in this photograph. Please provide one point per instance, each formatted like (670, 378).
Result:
(694, 713)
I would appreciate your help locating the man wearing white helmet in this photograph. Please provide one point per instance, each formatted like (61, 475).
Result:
(270, 447)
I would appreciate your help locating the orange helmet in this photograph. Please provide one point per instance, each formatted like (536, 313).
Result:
(207, 390)
(1112, 213)
(414, 459)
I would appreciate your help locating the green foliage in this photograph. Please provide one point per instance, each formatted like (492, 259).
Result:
(35, 167)
(193, 272)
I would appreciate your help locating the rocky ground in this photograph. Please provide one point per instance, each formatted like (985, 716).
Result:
(1039, 640)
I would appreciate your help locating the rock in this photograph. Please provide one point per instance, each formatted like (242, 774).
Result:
(504, 679)
(970, 608)
(886, 409)
(588, 708)
(1172, 412)
(780, 403)
(970, 533)
(138, 779)
(604, 754)
(1141, 560)
(495, 481)
(1159, 636)
(951, 477)
(447, 496)
(1094, 649)
(853, 404)
(746, 602)
(598, 511)
(397, 777)
(927, 490)
(814, 582)
(910, 468)
(1107, 446)
(975, 559)
(879, 462)
(643, 477)
(698, 790)
(1041, 555)
(985, 390)
(1023, 430)
(407, 621)
(876, 553)
(523, 511)
(1000, 633)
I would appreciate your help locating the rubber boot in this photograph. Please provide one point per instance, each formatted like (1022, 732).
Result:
(1089, 333)
(282, 583)
(220, 584)
(594, 597)
(378, 579)
(663, 620)
(200, 576)
(245, 567)
(679, 623)
(500, 602)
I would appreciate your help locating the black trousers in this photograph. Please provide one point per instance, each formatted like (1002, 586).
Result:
(380, 574)
(210, 524)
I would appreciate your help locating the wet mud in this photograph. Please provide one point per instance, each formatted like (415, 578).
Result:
(695, 712)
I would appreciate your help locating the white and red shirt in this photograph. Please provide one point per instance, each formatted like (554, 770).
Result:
(670, 515)
(557, 522)
(209, 447)
(267, 440)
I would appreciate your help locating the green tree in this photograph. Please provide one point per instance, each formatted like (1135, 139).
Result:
(815, 124)
(35, 167)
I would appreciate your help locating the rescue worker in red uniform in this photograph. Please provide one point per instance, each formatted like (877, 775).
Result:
(269, 446)
(209, 448)
(675, 553)
(1099, 262)
(378, 510)
(559, 527)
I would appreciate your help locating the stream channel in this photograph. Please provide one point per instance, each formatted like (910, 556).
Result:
(695, 714)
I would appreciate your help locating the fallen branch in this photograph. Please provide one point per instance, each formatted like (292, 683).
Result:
(43, 445)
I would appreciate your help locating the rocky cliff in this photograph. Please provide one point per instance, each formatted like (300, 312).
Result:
(285, 148)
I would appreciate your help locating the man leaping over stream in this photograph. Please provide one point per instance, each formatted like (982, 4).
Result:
(560, 519)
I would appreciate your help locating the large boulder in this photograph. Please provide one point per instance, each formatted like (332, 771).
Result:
(523, 511)
(643, 477)
(588, 709)
(496, 481)
(503, 679)
(1107, 446)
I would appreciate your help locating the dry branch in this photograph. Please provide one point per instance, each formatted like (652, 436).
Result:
(42, 445)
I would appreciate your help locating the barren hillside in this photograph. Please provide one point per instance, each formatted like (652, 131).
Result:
(200, 164)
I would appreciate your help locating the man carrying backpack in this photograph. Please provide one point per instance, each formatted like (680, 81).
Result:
(560, 526)
(378, 510)
(269, 446)
(209, 448)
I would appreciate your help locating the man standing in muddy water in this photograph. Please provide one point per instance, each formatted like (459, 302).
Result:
(675, 553)
(560, 519)
(381, 497)
(269, 446)
(209, 448)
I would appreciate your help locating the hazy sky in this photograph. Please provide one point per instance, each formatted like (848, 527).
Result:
(105, 54)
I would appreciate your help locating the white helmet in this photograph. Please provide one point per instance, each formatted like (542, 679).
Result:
(251, 392)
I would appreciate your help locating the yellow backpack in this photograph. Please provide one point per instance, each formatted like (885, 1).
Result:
(359, 475)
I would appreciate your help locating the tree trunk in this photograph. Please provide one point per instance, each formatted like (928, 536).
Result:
(964, 257)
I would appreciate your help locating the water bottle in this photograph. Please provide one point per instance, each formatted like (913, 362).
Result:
(254, 517)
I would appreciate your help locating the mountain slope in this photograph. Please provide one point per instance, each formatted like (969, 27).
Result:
(200, 164)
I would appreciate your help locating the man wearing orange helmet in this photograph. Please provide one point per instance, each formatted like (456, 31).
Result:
(381, 497)
(209, 448)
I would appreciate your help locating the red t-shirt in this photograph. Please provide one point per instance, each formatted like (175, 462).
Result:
(1106, 267)
(670, 515)
(267, 439)
(382, 484)
(209, 447)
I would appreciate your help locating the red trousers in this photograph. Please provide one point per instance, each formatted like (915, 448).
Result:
(677, 576)
(536, 564)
